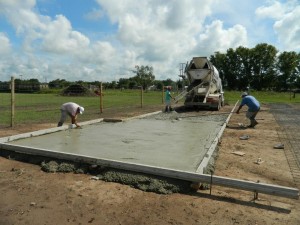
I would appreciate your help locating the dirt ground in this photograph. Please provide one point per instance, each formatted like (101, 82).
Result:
(30, 196)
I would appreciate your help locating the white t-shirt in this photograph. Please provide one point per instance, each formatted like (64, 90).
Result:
(70, 108)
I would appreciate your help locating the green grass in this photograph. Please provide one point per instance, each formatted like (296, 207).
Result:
(38, 108)
(264, 97)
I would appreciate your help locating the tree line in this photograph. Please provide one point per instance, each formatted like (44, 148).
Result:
(258, 68)
(261, 68)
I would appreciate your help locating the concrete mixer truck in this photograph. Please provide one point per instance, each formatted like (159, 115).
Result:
(205, 86)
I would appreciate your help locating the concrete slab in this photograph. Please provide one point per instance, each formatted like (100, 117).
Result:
(161, 140)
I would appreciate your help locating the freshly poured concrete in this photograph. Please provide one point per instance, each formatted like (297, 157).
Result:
(178, 144)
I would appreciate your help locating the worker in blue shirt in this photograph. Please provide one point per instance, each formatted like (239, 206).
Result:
(253, 108)
(168, 98)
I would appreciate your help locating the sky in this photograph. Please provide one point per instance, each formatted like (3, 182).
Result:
(103, 40)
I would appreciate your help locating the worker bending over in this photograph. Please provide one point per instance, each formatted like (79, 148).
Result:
(71, 109)
(253, 108)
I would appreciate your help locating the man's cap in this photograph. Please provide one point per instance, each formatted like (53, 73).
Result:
(244, 94)
(81, 109)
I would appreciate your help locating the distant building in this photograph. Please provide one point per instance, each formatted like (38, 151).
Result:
(44, 86)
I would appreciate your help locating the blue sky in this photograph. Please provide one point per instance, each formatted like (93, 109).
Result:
(103, 40)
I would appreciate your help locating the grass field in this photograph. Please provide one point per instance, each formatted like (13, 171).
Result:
(264, 97)
(40, 108)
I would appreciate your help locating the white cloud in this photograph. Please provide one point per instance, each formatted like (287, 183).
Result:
(38, 31)
(216, 38)
(161, 34)
(275, 11)
(157, 33)
(101, 55)
(16, 4)
(5, 45)
(286, 18)
(59, 37)
(288, 30)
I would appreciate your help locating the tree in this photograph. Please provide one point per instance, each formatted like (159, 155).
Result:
(158, 84)
(123, 83)
(168, 82)
(29, 86)
(263, 58)
(288, 68)
(113, 84)
(132, 84)
(144, 76)
(4, 86)
(231, 68)
(297, 82)
(244, 74)
(219, 61)
(59, 83)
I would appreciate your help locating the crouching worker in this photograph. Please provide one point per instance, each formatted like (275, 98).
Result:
(70, 109)
(253, 108)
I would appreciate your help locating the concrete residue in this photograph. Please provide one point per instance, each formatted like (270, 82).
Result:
(149, 183)
(146, 182)
(54, 166)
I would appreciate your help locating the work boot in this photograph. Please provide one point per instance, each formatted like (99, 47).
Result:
(167, 109)
(59, 124)
(253, 123)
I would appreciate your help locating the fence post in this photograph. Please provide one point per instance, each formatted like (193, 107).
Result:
(101, 99)
(162, 94)
(12, 86)
(142, 96)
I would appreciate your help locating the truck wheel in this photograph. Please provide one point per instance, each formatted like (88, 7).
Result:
(218, 106)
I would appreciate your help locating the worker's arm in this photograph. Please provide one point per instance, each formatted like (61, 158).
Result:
(74, 120)
(172, 97)
(238, 110)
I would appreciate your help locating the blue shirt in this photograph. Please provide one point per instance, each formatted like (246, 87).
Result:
(251, 102)
(168, 96)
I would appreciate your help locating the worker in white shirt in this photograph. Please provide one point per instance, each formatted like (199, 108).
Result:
(71, 109)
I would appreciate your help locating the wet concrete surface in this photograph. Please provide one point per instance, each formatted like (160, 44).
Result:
(288, 117)
(170, 141)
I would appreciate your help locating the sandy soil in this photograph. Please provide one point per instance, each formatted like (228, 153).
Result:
(30, 196)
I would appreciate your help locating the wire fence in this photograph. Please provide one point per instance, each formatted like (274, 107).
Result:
(29, 104)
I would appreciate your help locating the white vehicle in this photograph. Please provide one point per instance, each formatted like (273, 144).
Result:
(205, 86)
